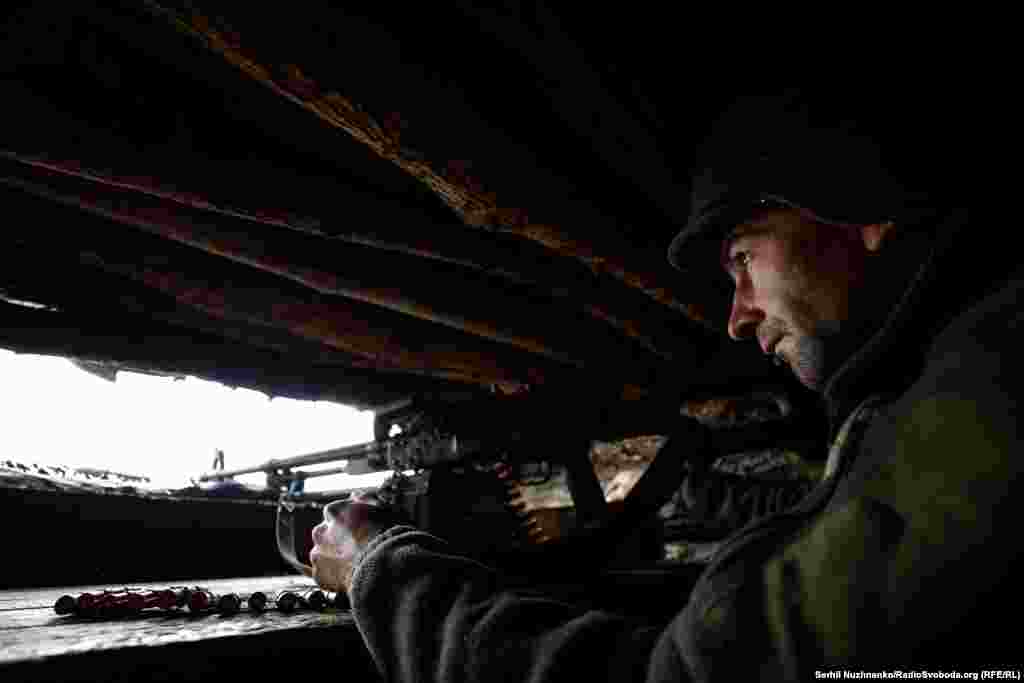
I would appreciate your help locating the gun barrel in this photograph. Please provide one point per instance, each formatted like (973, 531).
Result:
(356, 452)
(323, 473)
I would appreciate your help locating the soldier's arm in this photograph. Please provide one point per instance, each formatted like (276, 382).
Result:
(428, 614)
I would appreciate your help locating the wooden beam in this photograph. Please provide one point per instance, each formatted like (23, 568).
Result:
(145, 344)
(732, 367)
(379, 340)
(610, 252)
(234, 292)
(406, 285)
(379, 222)
(21, 278)
(498, 255)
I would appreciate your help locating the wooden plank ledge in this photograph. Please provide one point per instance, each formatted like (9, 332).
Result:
(37, 644)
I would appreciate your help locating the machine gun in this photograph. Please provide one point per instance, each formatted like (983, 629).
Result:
(456, 462)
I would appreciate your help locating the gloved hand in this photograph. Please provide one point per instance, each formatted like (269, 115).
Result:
(348, 526)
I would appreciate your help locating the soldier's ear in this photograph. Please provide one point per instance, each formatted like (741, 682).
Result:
(874, 235)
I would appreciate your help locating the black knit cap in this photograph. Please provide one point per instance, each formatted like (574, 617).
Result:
(797, 149)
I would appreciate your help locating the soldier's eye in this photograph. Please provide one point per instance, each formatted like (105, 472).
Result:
(740, 259)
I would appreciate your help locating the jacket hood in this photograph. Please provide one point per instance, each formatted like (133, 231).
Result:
(959, 269)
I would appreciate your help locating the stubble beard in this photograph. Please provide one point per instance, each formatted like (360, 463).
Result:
(808, 361)
(818, 356)
(816, 322)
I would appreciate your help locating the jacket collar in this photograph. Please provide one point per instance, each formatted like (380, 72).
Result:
(893, 358)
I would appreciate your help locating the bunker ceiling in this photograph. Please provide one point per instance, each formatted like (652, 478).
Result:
(358, 205)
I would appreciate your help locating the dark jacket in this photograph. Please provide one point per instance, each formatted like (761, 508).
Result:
(906, 556)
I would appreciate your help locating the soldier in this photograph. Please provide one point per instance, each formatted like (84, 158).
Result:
(906, 318)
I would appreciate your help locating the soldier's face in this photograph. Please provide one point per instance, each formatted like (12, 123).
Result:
(796, 282)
